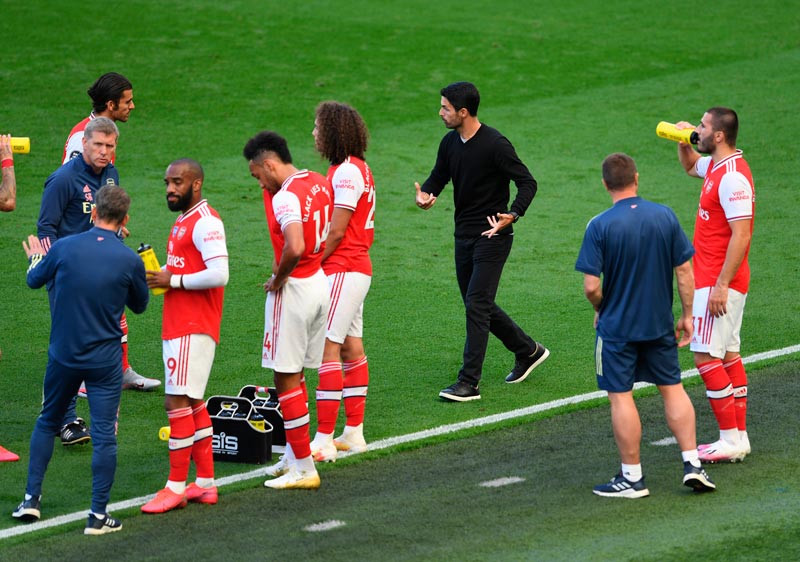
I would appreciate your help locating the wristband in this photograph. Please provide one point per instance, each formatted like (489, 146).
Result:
(176, 281)
(7, 163)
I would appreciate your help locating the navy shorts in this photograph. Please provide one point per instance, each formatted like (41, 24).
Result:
(621, 364)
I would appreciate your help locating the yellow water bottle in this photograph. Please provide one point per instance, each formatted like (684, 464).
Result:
(20, 145)
(163, 433)
(258, 422)
(669, 131)
(150, 260)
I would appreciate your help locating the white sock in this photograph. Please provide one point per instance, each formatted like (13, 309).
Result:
(306, 464)
(204, 482)
(730, 436)
(356, 431)
(323, 437)
(177, 487)
(632, 472)
(692, 457)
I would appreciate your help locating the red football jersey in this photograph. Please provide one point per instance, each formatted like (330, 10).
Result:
(198, 236)
(728, 195)
(353, 189)
(305, 197)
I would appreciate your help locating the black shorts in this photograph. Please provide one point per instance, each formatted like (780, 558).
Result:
(621, 364)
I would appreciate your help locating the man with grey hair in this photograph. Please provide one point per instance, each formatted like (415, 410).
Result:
(91, 277)
(66, 209)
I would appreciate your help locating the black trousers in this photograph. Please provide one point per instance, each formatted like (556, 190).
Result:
(479, 265)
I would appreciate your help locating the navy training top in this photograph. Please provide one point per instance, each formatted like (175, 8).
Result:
(68, 198)
(95, 276)
(634, 246)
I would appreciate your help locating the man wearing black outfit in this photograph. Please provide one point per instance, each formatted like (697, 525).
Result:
(481, 163)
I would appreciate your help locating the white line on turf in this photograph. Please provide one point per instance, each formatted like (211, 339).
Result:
(664, 442)
(502, 482)
(324, 526)
(386, 443)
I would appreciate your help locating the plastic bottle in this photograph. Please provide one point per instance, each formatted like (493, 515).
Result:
(669, 131)
(257, 421)
(150, 260)
(20, 145)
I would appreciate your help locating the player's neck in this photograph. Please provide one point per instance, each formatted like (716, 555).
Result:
(722, 151)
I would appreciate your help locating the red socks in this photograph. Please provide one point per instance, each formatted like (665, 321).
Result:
(329, 395)
(720, 393)
(202, 453)
(356, 380)
(181, 441)
(295, 421)
(123, 324)
(738, 377)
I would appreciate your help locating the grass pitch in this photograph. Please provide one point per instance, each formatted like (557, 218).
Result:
(567, 83)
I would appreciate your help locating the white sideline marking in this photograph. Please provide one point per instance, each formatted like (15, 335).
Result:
(664, 442)
(324, 526)
(385, 444)
(502, 482)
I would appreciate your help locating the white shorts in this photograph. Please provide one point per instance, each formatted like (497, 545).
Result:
(187, 365)
(717, 336)
(346, 315)
(294, 325)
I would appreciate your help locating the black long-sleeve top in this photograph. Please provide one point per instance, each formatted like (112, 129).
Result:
(481, 170)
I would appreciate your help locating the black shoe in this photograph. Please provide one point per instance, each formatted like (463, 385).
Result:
(28, 510)
(107, 524)
(523, 367)
(75, 432)
(621, 487)
(696, 478)
(460, 392)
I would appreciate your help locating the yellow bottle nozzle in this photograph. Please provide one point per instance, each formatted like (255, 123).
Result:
(669, 131)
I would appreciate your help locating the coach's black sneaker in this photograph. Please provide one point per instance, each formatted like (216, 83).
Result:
(621, 487)
(28, 510)
(106, 524)
(74, 433)
(696, 478)
(524, 366)
(460, 392)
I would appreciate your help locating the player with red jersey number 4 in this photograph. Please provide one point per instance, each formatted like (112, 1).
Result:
(722, 233)
(299, 206)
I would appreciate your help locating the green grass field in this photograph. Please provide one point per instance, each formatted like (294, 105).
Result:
(567, 82)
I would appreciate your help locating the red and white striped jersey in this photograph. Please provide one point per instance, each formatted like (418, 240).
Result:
(306, 198)
(197, 237)
(728, 195)
(353, 189)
